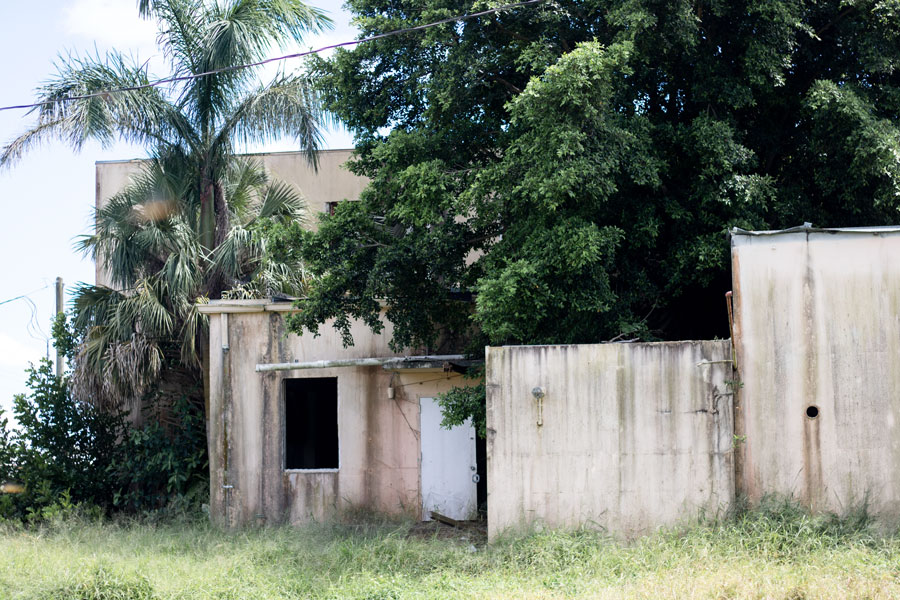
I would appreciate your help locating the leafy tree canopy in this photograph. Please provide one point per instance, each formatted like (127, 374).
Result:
(566, 172)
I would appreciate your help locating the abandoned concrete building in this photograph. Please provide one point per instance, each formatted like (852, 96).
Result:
(298, 445)
(626, 436)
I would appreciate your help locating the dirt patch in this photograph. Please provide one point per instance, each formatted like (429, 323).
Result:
(472, 532)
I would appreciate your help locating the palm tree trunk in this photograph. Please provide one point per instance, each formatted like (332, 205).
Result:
(208, 215)
(223, 222)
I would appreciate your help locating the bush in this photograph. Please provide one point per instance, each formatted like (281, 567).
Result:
(74, 458)
(61, 449)
(162, 466)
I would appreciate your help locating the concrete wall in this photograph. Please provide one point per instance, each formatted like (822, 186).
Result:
(634, 436)
(110, 178)
(330, 183)
(378, 436)
(817, 323)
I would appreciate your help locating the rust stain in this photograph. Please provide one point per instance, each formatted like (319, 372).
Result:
(734, 307)
(812, 463)
(372, 445)
(744, 483)
(812, 453)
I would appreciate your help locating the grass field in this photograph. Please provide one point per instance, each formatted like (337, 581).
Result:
(778, 552)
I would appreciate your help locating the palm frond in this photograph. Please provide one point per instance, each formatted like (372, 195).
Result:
(282, 201)
(14, 151)
(114, 376)
(236, 254)
(243, 31)
(145, 8)
(182, 275)
(93, 306)
(142, 116)
(194, 325)
(180, 24)
(146, 307)
(287, 106)
(244, 182)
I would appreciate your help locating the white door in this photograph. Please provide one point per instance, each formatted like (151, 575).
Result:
(449, 484)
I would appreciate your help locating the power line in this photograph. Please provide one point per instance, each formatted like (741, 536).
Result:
(24, 295)
(33, 327)
(177, 79)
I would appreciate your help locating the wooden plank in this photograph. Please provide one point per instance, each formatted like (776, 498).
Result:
(445, 520)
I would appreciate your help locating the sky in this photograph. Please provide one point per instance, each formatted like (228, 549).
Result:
(46, 199)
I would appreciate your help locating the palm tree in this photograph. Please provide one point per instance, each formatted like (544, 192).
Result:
(191, 225)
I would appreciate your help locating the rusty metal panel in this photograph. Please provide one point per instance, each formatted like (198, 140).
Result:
(817, 338)
(623, 437)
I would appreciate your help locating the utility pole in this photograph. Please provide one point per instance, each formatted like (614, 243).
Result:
(59, 309)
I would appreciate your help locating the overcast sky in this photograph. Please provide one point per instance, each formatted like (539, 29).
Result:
(46, 199)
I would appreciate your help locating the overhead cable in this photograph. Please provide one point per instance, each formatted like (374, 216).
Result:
(24, 295)
(180, 78)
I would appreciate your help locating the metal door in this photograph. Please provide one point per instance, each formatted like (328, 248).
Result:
(449, 480)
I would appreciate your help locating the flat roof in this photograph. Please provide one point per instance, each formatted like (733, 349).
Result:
(128, 160)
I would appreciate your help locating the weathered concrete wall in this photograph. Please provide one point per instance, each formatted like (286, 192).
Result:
(817, 324)
(634, 436)
(110, 177)
(378, 436)
(330, 183)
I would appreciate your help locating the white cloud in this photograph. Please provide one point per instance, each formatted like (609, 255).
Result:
(14, 353)
(112, 23)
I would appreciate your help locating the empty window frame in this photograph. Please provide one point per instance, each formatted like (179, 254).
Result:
(311, 424)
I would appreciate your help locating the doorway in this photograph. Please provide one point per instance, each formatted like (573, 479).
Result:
(448, 464)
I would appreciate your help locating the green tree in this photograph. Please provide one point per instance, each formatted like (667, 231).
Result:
(575, 165)
(60, 447)
(69, 454)
(192, 224)
(567, 171)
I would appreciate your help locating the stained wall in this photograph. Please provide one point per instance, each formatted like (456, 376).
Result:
(378, 447)
(379, 436)
(330, 182)
(817, 335)
(627, 437)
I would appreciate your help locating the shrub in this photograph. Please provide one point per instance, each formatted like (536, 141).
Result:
(75, 458)
(61, 448)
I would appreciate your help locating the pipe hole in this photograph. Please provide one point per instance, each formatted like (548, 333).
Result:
(812, 412)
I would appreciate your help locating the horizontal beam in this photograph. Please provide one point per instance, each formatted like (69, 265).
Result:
(393, 361)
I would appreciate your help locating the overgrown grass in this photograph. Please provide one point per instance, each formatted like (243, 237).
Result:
(775, 552)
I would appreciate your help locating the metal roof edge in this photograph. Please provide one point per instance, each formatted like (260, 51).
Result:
(245, 306)
(808, 228)
(258, 305)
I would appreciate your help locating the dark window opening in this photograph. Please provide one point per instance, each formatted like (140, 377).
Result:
(330, 207)
(310, 423)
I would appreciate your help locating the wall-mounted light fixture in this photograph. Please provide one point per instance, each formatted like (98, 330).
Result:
(538, 393)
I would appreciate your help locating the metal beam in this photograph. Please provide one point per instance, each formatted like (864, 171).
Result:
(355, 362)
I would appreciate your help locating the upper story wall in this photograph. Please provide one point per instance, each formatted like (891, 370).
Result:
(332, 182)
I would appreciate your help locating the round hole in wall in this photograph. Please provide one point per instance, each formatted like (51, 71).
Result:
(812, 411)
